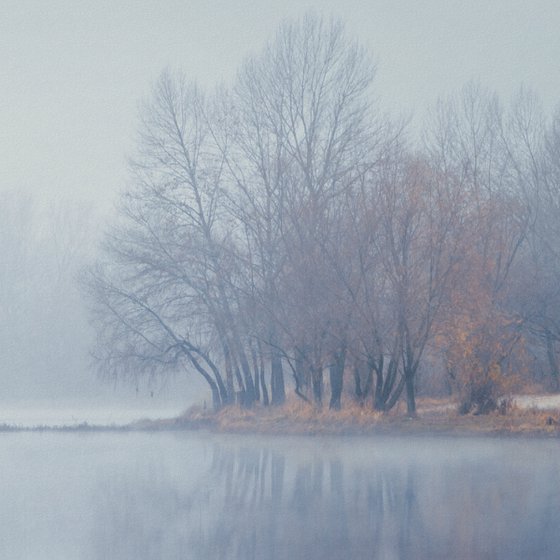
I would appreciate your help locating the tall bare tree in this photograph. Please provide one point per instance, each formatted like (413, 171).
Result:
(304, 133)
(471, 140)
(163, 296)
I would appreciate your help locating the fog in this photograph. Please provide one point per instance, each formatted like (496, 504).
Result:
(75, 74)
(235, 202)
(45, 334)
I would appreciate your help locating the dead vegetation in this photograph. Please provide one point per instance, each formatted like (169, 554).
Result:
(435, 416)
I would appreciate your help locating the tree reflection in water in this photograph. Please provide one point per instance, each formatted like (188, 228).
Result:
(255, 501)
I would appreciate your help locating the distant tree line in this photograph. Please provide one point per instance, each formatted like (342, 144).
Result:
(285, 228)
(44, 333)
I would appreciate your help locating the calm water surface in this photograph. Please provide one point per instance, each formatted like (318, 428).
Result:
(137, 496)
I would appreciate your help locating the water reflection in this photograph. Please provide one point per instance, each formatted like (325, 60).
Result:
(327, 499)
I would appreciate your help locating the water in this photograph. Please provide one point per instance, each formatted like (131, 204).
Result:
(33, 415)
(140, 496)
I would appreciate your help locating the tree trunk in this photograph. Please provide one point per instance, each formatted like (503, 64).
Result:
(217, 387)
(216, 401)
(277, 379)
(229, 374)
(249, 396)
(410, 396)
(358, 385)
(256, 372)
(301, 376)
(378, 400)
(552, 360)
(317, 382)
(265, 397)
(262, 370)
(336, 371)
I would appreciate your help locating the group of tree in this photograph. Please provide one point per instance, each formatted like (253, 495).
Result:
(284, 228)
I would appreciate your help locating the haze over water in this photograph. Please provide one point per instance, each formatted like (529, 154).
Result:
(75, 75)
(193, 495)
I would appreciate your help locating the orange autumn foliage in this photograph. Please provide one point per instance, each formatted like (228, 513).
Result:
(483, 345)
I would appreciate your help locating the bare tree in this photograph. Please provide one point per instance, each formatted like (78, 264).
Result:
(285, 224)
(162, 298)
(536, 294)
(304, 131)
(471, 140)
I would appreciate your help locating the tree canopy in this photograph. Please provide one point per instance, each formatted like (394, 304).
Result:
(285, 226)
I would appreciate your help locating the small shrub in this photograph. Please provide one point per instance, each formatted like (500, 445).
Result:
(483, 393)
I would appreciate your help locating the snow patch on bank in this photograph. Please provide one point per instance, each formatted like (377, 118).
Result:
(538, 402)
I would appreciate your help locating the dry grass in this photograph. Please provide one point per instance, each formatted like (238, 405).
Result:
(435, 416)
(296, 417)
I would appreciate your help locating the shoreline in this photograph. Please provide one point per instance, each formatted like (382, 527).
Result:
(435, 418)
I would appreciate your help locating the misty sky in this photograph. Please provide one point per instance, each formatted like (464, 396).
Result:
(74, 71)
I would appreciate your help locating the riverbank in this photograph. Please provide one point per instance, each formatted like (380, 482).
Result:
(435, 416)
(529, 416)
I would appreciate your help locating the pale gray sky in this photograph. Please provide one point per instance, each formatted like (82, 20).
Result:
(73, 71)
